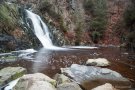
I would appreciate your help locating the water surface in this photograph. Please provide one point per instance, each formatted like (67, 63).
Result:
(49, 62)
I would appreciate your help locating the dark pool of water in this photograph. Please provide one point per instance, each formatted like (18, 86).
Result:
(49, 62)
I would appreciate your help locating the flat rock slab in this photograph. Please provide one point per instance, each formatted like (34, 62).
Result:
(10, 73)
(98, 62)
(90, 76)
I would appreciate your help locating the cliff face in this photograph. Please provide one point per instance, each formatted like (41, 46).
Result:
(75, 22)
(68, 16)
(115, 25)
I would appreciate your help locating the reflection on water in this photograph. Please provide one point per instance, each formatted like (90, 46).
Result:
(43, 57)
(49, 62)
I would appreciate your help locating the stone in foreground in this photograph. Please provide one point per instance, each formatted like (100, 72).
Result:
(61, 78)
(69, 86)
(90, 76)
(106, 86)
(10, 73)
(98, 62)
(37, 81)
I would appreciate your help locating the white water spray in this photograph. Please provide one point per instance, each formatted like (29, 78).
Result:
(40, 29)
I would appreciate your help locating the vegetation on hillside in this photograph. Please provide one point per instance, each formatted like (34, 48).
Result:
(98, 22)
(8, 17)
(129, 17)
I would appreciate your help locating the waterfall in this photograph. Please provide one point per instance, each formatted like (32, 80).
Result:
(40, 29)
(42, 32)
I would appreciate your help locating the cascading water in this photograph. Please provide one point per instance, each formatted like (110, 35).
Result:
(42, 32)
(40, 29)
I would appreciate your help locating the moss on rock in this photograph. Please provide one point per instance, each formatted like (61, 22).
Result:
(11, 73)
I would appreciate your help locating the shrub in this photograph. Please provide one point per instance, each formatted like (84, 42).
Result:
(129, 17)
(47, 8)
(96, 36)
(78, 32)
(89, 5)
(63, 27)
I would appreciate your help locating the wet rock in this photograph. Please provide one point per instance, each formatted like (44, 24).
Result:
(98, 62)
(37, 81)
(37, 85)
(9, 58)
(7, 42)
(61, 78)
(90, 76)
(68, 86)
(106, 86)
(10, 73)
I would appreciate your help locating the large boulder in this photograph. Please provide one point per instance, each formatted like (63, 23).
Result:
(69, 86)
(10, 73)
(90, 76)
(98, 62)
(106, 86)
(37, 81)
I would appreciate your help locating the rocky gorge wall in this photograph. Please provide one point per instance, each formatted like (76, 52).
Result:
(71, 22)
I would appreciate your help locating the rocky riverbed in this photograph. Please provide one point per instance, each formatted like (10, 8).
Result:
(117, 70)
(71, 78)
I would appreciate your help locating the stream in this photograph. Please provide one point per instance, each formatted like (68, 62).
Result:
(49, 62)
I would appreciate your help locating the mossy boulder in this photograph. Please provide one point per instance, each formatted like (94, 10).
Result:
(37, 81)
(10, 73)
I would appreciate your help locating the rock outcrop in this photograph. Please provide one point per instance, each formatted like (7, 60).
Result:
(85, 75)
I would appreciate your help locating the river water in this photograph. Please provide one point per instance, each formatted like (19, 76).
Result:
(49, 62)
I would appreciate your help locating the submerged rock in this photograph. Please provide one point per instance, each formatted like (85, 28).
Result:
(106, 86)
(37, 81)
(10, 73)
(90, 76)
(98, 62)
(69, 86)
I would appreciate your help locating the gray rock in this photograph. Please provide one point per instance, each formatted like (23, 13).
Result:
(36, 81)
(106, 86)
(90, 76)
(9, 58)
(98, 62)
(10, 73)
(60, 78)
(69, 86)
